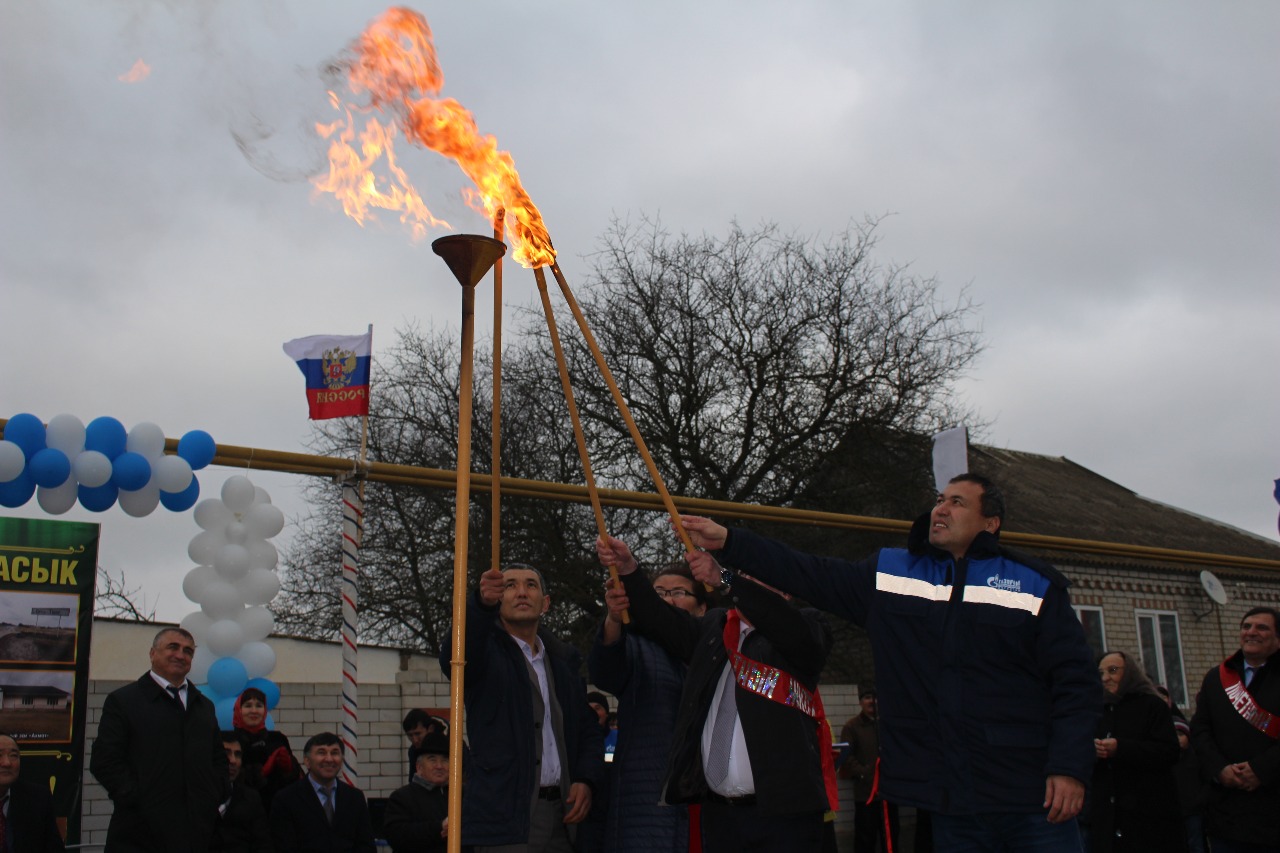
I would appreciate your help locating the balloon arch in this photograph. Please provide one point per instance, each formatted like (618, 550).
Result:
(103, 463)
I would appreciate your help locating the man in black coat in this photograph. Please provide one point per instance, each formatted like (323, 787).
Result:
(319, 813)
(159, 755)
(418, 814)
(242, 824)
(1236, 735)
(28, 824)
(751, 743)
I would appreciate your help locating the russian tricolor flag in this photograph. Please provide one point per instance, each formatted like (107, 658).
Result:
(337, 371)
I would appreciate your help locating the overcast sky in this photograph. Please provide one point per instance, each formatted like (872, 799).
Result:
(1102, 177)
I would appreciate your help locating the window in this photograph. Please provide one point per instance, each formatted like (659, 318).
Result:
(27, 700)
(1161, 649)
(1094, 631)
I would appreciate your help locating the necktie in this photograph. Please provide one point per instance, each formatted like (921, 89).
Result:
(1248, 675)
(722, 734)
(328, 804)
(176, 693)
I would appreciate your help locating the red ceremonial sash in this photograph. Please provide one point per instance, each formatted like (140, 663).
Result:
(775, 684)
(1242, 700)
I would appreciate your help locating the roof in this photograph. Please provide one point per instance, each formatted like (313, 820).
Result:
(1053, 496)
(24, 690)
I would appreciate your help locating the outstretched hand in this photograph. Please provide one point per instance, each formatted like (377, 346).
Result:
(704, 532)
(614, 552)
(492, 584)
(704, 568)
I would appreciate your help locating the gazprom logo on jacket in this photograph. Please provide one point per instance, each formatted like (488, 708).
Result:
(1007, 584)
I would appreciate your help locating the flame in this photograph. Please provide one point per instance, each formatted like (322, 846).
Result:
(139, 72)
(393, 67)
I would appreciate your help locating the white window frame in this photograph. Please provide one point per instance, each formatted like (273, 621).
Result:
(1080, 609)
(1158, 669)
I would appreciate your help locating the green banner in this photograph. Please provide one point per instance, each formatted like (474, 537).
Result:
(47, 573)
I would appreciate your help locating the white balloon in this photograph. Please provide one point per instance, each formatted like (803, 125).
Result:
(264, 520)
(171, 473)
(257, 623)
(145, 439)
(140, 502)
(65, 433)
(197, 623)
(200, 664)
(13, 460)
(238, 493)
(205, 546)
(212, 514)
(260, 586)
(58, 500)
(260, 495)
(221, 600)
(237, 532)
(262, 554)
(197, 580)
(258, 658)
(225, 637)
(232, 561)
(91, 468)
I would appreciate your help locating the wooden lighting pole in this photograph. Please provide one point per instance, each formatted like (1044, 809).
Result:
(469, 256)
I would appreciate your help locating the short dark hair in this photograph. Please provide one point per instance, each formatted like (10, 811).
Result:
(542, 582)
(681, 570)
(230, 736)
(323, 739)
(253, 693)
(1270, 611)
(176, 629)
(597, 698)
(992, 498)
(416, 717)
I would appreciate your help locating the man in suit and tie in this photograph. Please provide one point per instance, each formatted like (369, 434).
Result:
(242, 826)
(159, 755)
(319, 813)
(27, 824)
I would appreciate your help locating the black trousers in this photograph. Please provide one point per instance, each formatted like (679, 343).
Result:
(868, 827)
(743, 829)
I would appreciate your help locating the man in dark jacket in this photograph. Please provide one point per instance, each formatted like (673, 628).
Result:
(535, 750)
(320, 813)
(751, 743)
(159, 755)
(27, 823)
(988, 697)
(242, 822)
(869, 816)
(1236, 734)
(418, 814)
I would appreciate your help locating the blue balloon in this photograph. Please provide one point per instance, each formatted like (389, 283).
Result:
(270, 723)
(269, 689)
(198, 448)
(105, 435)
(226, 710)
(26, 431)
(98, 498)
(130, 471)
(228, 677)
(49, 468)
(183, 500)
(209, 692)
(17, 491)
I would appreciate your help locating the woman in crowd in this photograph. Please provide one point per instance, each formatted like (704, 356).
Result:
(647, 682)
(1133, 800)
(269, 764)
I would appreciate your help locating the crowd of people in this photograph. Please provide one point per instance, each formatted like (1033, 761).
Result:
(990, 718)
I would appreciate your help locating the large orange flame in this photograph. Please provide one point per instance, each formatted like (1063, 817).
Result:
(139, 72)
(393, 67)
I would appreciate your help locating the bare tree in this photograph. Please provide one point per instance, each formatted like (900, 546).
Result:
(760, 367)
(115, 599)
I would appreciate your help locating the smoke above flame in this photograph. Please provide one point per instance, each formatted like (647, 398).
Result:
(139, 72)
(392, 70)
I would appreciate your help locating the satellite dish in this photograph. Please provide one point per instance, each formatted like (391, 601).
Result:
(1213, 587)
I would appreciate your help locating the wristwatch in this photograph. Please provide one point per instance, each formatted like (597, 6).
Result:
(726, 580)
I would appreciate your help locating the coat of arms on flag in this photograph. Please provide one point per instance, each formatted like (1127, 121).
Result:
(337, 371)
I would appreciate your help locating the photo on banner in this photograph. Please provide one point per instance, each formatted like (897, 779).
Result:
(47, 574)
